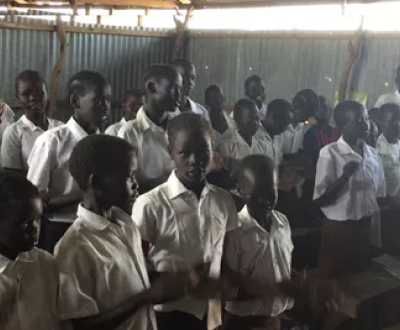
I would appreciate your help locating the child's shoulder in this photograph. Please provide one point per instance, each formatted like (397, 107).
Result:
(281, 218)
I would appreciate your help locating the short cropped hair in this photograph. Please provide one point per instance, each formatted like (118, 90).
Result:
(15, 189)
(342, 110)
(29, 75)
(97, 154)
(250, 80)
(181, 62)
(243, 103)
(278, 106)
(157, 71)
(257, 163)
(212, 88)
(388, 108)
(136, 93)
(81, 82)
(188, 121)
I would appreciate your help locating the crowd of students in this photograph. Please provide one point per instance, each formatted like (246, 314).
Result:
(170, 218)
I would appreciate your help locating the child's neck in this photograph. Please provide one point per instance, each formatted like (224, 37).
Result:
(218, 121)
(87, 127)
(41, 122)
(8, 253)
(185, 106)
(94, 206)
(263, 218)
(391, 139)
(268, 128)
(246, 137)
(196, 188)
(158, 116)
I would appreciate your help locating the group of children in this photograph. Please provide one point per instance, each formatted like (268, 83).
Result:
(141, 238)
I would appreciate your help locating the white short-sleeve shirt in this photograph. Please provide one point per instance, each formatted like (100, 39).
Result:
(29, 292)
(199, 109)
(390, 155)
(358, 198)
(271, 145)
(388, 98)
(114, 128)
(7, 118)
(49, 168)
(18, 141)
(263, 255)
(151, 143)
(292, 138)
(101, 266)
(182, 231)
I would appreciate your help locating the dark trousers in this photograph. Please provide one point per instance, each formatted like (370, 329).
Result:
(176, 320)
(50, 233)
(234, 322)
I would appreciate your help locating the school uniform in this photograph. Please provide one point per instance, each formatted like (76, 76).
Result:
(151, 143)
(388, 98)
(346, 232)
(114, 128)
(230, 121)
(292, 138)
(182, 231)
(18, 141)
(262, 255)
(49, 171)
(199, 109)
(101, 266)
(6, 118)
(271, 145)
(262, 111)
(390, 155)
(29, 292)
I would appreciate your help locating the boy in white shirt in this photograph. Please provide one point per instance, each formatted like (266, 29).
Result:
(147, 133)
(393, 97)
(349, 180)
(133, 101)
(184, 221)
(90, 96)
(19, 138)
(29, 277)
(6, 117)
(215, 102)
(188, 73)
(261, 247)
(254, 87)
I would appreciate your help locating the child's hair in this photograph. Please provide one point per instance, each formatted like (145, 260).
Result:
(211, 89)
(388, 108)
(181, 62)
(256, 163)
(29, 75)
(157, 71)
(342, 110)
(188, 121)
(307, 100)
(136, 93)
(277, 106)
(324, 102)
(243, 103)
(250, 80)
(80, 82)
(97, 154)
(15, 189)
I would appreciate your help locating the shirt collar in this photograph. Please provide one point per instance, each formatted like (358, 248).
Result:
(77, 131)
(176, 188)
(22, 257)
(29, 124)
(248, 222)
(145, 123)
(345, 148)
(123, 121)
(263, 131)
(97, 222)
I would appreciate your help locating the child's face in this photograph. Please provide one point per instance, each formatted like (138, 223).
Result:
(167, 93)
(323, 112)
(215, 99)
(281, 122)
(188, 74)
(256, 91)
(192, 153)
(95, 105)
(32, 96)
(131, 107)
(247, 120)
(357, 124)
(260, 190)
(20, 232)
(392, 120)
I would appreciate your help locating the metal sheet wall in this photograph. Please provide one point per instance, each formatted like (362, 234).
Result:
(288, 65)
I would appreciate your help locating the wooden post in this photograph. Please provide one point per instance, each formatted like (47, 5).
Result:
(180, 32)
(55, 76)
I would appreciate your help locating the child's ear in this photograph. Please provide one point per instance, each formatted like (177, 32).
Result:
(94, 182)
(74, 101)
(151, 87)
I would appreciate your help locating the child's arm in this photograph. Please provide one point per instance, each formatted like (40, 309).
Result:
(11, 150)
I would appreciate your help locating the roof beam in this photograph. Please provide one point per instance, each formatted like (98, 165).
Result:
(152, 4)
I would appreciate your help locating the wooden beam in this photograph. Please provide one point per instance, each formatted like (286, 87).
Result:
(153, 4)
(55, 76)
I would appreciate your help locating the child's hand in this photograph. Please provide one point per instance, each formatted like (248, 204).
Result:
(349, 169)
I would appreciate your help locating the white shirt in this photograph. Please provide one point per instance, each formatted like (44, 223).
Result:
(151, 143)
(7, 118)
(262, 111)
(199, 109)
(265, 256)
(292, 138)
(49, 168)
(271, 145)
(29, 292)
(390, 155)
(102, 265)
(388, 98)
(182, 231)
(358, 197)
(18, 141)
(114, 128)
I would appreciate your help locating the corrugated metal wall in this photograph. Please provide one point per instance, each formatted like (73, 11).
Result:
(121, 59)
(288, 65)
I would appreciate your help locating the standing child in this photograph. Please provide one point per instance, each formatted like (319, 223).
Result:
(261, 247)
(28, 275)
(188, 73)
(6, 118)
(133, 101)
(184, 221)
(90, 96)
(254, 88)
(19, 138)
(349, 179)
(104, 243)
(148, 133)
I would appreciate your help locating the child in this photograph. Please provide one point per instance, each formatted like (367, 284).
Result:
(6, 117)
(389, 148)
(188, 73)
(18, 138)
(147, 134)
(184, 220)
(320, 134)
(105, 243)
(133, 101)
(90, 96)
(261, 247)
(215, 102)
(276, 120)
(28, 275)
(255, 90)
(349, 179)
